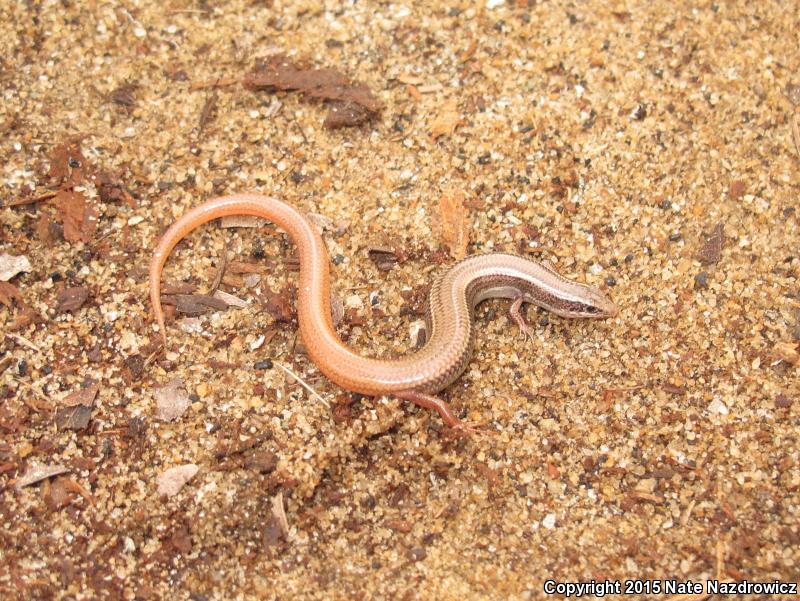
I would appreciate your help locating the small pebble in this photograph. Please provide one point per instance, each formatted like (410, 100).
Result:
(701, 281)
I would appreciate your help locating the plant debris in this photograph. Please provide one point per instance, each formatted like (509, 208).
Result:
(84, 396)
(455, 224)
(194, 304)
(73, 418)
(71, 299)
(12, 265)
(171, 481)
(350, 102)
(446, 121)
(384, 257)
(77, 214)
(36, 473)
(9, 292)
(711, 250)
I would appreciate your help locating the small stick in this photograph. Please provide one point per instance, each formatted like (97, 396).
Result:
(24, 342)
(223, 265)
(302, 383)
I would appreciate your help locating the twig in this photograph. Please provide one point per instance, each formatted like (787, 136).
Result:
(207, 114)
(302, 383)
(223, 265)
(219, 82)
(27, 201)
(24, 342)
(279, 514)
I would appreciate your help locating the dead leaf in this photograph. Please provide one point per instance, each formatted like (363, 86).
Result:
(36, 473)
(73, 418)
(172, 480)
(172, 400)
(736, 189)
(182, 540)
(711, 251)
(455, 224)
(263, 462)
(230, 299)
(71, 299)
(195, 304)
(11, 265)
(111, 189)
(280, 514)
(279, 304)
(24, 318)
(446, 121)
(352, 102)
(58, 494)
(77, 214)
(68, 166)
(384, 257)
(8, 292)
(84, 397)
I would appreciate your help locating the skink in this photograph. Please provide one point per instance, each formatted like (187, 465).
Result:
(453, 297)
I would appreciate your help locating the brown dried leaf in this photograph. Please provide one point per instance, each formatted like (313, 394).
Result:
(58, 494)
(352, 102)
(384, 257)
(455, 224)
(172, 480)
(8, 292)
(111, 189)
(446, 121)
(23, 319)
(172, 400)
(711, 251)
(279, 304)
(346, 114)
(73, 418)
(68, 166)
(71, 299)
(263, 462)
(195, 304)
(736, 189)
(171, 288)
(182, 540)
(84, 397)
(78, 215)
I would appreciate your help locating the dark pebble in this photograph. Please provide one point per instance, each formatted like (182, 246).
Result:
(701, 281)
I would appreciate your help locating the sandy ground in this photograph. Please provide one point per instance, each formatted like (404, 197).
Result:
(644, 147)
